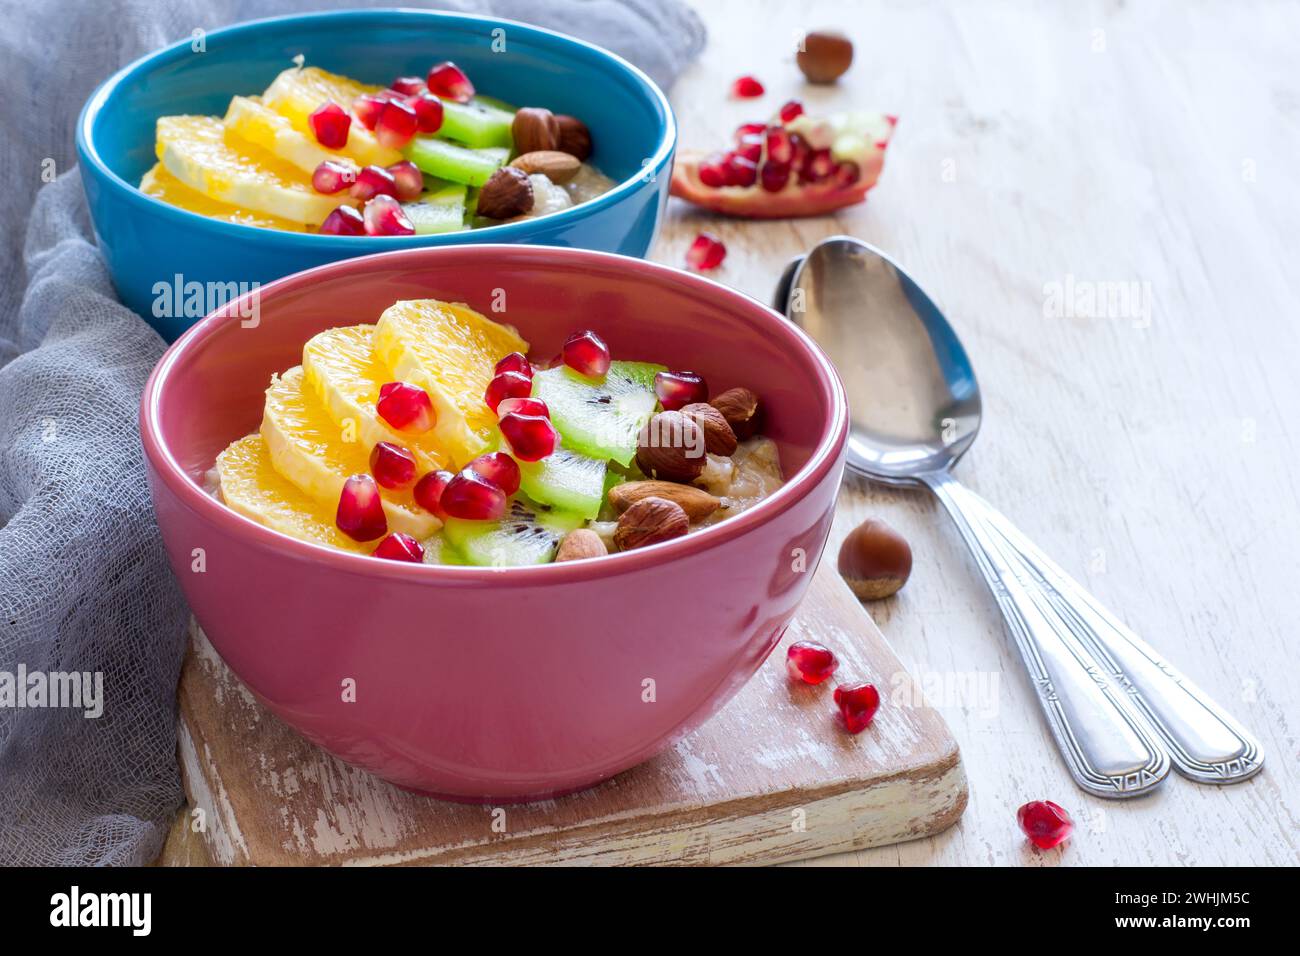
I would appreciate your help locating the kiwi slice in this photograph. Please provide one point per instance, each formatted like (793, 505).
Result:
(438, 550)
(567, 480)
(476, 124)
(460, 164)
(600, 417)
(528, 533)
(441, 209)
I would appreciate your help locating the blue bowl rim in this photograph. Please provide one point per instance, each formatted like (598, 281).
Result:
(506, 232)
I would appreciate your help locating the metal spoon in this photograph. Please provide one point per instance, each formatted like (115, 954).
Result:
(1109, 699)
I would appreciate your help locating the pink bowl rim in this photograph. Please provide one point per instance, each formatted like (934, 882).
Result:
(827, 451)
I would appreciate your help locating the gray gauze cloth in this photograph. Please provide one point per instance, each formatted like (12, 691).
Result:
(84, 584)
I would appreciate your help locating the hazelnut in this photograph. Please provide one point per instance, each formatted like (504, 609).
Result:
(825, 56)
(534, 129)
(575, 138)
(650, 521)
(719, 439)
(875, 560)
(741, 409)
(696, 502)
(671, 447)
(580, 543)
(556, 166)
(507, 194)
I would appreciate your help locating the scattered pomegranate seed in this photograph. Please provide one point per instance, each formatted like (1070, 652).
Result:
(531, 437)
(893, 120)
(741, 171)
(384, 217)
(408, 181)
(498, 468)
(713, 171)
(449, 81)
(679, 389)
(774, 176)
(360, 513)
(817, 166)
(428, 491)
(751, 148)
(372, 181)
(331, 177)
(329, 124)
(469, 495)
(1045, 823)
(858, 703)
(586, 353)
(810, 662)
(396, 124)
(524, 406)
(749, 129)
(344, 221)
(408, 85)
(780, 149)
(791, 110)
(514, 362)
(706, 252)
(400, 547)
(746, 88)
(846, 174)
(392, 465)
(368, 106)
(428, 112)
(406, 407)
(507, 385)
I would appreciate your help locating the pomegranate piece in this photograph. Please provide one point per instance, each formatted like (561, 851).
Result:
(408, 181)
(469, 495)
(450, 82)
(331, 177)
(751, 148)
(790, 111)
(498, 468)
(367, 108)
(406, 407)
(746, 88)
(507, 385)
(817, 167)
(740, 171)
(749, 129)
(360, 514)
(428, 112)
(428, 491)
(408, 85)
(524, 406)
(846, 174)
(344, 221)
(1045, 823)
(531, 437)
(396, 125)
(385, 217)
(330, 124)
(514, 362)
(713, 171)
(400, 547)
(774, 177)
(372, 181)
(679, 389)
(810, 662)
(706, 252)
(392, 465)
(586, 353)
(858, 703)
(780, 146)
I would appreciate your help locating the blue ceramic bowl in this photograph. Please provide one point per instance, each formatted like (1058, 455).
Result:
(174, 266)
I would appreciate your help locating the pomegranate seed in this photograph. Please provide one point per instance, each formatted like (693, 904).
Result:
(514, 362)
(392, 465)
(360, 514)
(779, 147)
(791, 110)
(428, 112)
(524, 406)
(368, 106)
(751, 148)
(817, 166)
(893, 120)
(408, 85)
(679, 389)
(1045, 823)
(586, 353)
(810, 662)
(396, 124)
(384, 217)
(498, 468)
(774, 176)
(428, 491)
(846, 174)
(746, 88)
(449, 81)
(400, 547)
(408, 181)
(706, 252)
(372, 181)
(330, 125)
(858, 703)
(713, 171)
(469, 495)
(799, 151)
(749, 129)
(406, 407)
(507, 385)
(344, 221)
(741, 171)
(331, 177)
(531, 437)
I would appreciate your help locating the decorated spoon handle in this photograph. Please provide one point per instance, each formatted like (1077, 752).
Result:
(1205, 743)
(1109, 749)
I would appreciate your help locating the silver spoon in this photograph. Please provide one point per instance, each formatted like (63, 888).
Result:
(1112, 703)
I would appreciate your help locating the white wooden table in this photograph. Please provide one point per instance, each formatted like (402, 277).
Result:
(1088, 149)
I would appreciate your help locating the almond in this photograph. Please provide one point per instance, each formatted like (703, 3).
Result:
(696, 502)
(580, 544)
(671, 447)
(556, 166)
(719, 439)
(534, 129)
(575, 138)
(741, 409)
(650, 521)
(506, 195)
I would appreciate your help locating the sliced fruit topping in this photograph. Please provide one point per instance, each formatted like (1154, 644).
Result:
(162, 185)
(392, 465)
(567, 480)
(531, 437)
(526, 534)
(429, 489)
(344, 221)
(746, 87)
(678, 389)
(471, 497)
(406, 407)
(586, 353)
(477, 124)
(360, 513)
(332, 177)
(449, 81)
(297, 92)
(498, 468)
(400, 547)
(706, 252)
(251, 120)
(507, 385)
(439, 210)
(329, 124)
(459, 164)
(858, 704)
(600, 418)
(372, 181)
(810, 662)
(1045, 823)
(384, 216)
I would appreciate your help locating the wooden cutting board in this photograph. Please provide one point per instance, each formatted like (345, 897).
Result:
(770, 778)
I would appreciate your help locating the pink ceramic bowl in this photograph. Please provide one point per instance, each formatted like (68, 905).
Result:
(510, 683)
